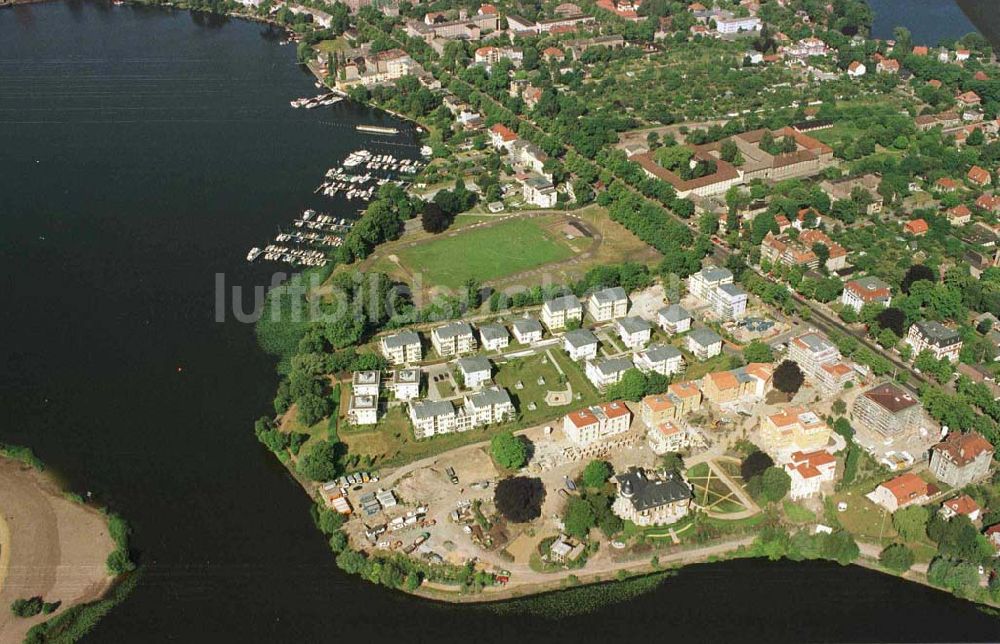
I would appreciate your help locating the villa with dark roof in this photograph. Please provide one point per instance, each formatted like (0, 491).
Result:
(648, 499)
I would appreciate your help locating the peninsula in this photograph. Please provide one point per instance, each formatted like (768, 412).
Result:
(681, 281)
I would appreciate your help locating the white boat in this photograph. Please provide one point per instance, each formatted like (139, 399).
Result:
(253, 254)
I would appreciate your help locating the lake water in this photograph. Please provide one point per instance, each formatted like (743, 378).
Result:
(931, 21)
(142, 151)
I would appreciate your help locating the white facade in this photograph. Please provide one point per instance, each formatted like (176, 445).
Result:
(589, 425)
(604, 372)
(661, 358)
(634, 332)
(527, 331)
(700, 284)
(401, 348)
(674, 319)
(667, 437)
(728, 301)
(704, 343)
(476, 371)
(580, 345)
(452, 339)
(558, 311)
(608, 304)
(363, 410)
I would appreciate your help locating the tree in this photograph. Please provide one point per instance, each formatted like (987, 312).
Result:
(897, 557)
(755, 464)
(788, 377)
(312, 409)
(579, 518)
(914, 274)
(771, 486)
(841, 547)
(596, 473)
(118, 562)
(320, 463)
(632, 386)
(509, 451)
(839, 407)
(673, 462)
(434, 219)
(911, 522)
(893, 319)
(27, 607)
(338, 541)
(758, 351)
(519, 498)
(887, 339)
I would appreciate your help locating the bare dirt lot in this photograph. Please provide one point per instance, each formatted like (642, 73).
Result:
(50, 546)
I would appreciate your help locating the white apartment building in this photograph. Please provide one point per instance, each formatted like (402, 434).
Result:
(604, 372)
(580, 344)
(674, 319)
(527, 330)
(493, 337)
(634, 331)
(476, 371)
(558, 311)
(363, 410)
(704, 343)
(404, 383)
(591, 424)
(934, 337)
(701, 284)
(401, 348)
(664, 359)
(608, 304)
(453, 338)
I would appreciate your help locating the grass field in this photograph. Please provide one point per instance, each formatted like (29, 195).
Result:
(484, 253)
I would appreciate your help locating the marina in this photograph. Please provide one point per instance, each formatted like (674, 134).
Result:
(322, 100)
(314, 234)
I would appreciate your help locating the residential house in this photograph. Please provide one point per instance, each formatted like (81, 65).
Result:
(820, 360)
(961, 459)
(866, 290)
(537, 190)
(808, 471)
(680, 399)
(730, 24)
(934, 337)
(502, 137)
(856, 69)
(663, 359)
(648, 500)
(580, 344)
(704, 343)
(702, 283)
(604, 372)
(489, 406)
(674, 319)
(887, 66)
(633, 331)
(591, 424)
(836, 254)
(888, 410)
(979, 176)
(475, 370)
(608, 304)
(963, 505)
(844, 190)
(493, 337)
(916, 227)
(900, 492)
(728, 301)
(527, 330)
(557, 312)
(363, 410)
(959, 215)
(404, 383)
(969, 99)
(793, 429)
(667, 437)
(401, 348)
(366, 383)
(743, 384)
(432, 417)
(453, 338)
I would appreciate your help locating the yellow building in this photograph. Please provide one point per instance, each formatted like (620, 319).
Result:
(793, 429)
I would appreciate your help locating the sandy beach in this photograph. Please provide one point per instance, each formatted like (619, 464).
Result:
(50, 546)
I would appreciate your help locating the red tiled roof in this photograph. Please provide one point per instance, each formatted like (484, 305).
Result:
(916, 227)
(978, 175)
(906, 487)
(964, 448)
(962, 505)
(505, 132)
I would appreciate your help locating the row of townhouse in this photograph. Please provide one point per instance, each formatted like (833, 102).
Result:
(486, 407)
(458, 338)
(603, 306)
